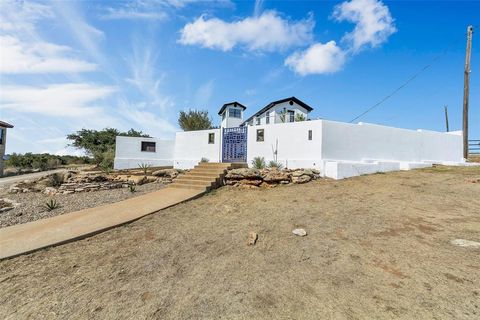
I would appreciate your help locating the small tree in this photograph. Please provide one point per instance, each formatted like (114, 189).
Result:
(194, 120)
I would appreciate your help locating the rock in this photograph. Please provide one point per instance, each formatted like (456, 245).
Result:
(299, 232)
(301, 179)
(79, 189)
(276, 176)
(169, 173)
(68, 192)
(466, 243)
(243, 173)
(302, 172)
(7, 204)
(252, 238)
(246, 182)
(50, 191)
(269, 185)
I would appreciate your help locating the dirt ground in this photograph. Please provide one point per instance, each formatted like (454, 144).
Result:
(378, 247)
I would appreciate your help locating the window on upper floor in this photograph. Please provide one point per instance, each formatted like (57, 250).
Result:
(291, 116)
(267, 117)
(310, 134)
(2, 133)
(234, 113)
(148, 146)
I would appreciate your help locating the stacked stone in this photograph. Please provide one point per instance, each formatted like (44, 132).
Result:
(269, 177)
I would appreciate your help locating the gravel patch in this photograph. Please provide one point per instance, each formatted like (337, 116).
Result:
(32, 204)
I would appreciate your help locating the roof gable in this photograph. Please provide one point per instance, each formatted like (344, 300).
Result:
(235, 104)
(274, 103)
(5, 125)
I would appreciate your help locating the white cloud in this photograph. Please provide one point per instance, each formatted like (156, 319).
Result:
(38, 57)
(203, 95)
(317, 59)
(62, 100)
(267, 32)
(22, 15)
(374, 23)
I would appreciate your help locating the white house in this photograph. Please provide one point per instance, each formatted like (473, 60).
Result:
(338, 150)
(280, 111)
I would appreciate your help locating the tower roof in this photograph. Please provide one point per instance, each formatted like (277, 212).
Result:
(235, 104)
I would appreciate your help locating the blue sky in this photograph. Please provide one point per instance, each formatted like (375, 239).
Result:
(135, 64)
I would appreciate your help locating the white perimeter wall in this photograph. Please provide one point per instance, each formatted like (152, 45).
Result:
(128, 153)
(364, 142)
(294, 148)
(192, 146)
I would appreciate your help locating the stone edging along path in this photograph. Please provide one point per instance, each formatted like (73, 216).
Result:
(31, 236)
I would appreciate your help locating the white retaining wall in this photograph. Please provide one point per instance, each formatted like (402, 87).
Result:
(294, 148)
(192, 146)
(128, 153)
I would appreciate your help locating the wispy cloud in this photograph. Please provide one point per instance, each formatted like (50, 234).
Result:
(38, 57)
(267, 32)
(204, 94)
(62, 100)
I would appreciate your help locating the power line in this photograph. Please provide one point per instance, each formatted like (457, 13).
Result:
(444, 51)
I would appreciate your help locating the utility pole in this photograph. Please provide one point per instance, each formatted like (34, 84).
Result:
(466, 89)
(446, 118)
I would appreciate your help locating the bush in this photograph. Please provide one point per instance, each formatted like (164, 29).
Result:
(275, 165)
(55, 180)
(204, 160)
(258, 162)
(43, 161)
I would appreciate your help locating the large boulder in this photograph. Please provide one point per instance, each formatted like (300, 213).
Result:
(168, 173)
(243, 173)
(276, 176)
(302, 176)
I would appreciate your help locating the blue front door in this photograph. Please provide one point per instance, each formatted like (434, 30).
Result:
(234, 144)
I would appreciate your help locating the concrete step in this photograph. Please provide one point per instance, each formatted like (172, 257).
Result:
(201, 175)
(198, 178)
(209, 171)
(207, 183)
(216, 167)
(188, 186)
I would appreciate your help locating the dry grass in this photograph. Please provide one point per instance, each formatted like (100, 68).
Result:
(377, 247)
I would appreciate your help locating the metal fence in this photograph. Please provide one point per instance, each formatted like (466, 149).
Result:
(474, 146)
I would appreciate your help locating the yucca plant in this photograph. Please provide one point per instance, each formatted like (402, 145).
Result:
(275, 165)
(258, 162)
(144, 167)
(132, 188)
(52, 204)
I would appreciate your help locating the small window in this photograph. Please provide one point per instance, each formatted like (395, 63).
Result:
(267, 117)
(234, 113)
(258, 121)
(211, 138)
(309, 134)
(148, 146)
(223, 115)
(260, 135)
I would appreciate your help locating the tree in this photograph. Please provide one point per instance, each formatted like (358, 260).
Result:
(100, 144)
(194, 120)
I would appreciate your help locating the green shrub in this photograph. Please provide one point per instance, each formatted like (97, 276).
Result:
(275, 165)
(204, 160)
(132, 188)
(55, 180)
(52, 204)
(299, 117)
(258, 162)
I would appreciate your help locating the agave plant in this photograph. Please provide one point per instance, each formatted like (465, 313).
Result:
(275, 165)
(258, 162)
(144, 167)
(52, 204)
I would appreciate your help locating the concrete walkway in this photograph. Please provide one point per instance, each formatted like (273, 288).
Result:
(28, 176)
(28, 237)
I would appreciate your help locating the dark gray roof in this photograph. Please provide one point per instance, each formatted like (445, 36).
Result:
(235, 104)
(5, 125)
(274, 103)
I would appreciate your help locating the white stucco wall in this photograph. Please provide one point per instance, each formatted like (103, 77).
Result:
(294, 148)
(192, 146)
(128, 153)
(364, 142)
